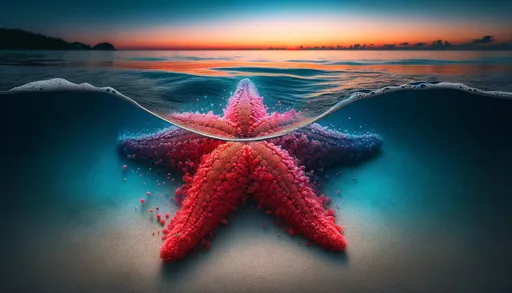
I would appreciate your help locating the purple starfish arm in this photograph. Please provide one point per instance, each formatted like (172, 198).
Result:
(317, 147)
(171, 148)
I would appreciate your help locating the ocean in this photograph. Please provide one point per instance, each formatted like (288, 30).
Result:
(430, 213)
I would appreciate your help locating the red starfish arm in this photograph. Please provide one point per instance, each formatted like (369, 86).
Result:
(317, 147)
(172, 147)
(280, 185)
(205, 123)
(217, 188)
(275, 122)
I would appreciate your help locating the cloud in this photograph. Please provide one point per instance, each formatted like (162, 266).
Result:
(483, 40)
(404, 44)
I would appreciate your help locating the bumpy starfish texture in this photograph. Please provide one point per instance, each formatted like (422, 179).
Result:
(220, 176)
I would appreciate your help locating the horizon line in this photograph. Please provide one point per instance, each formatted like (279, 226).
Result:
(485, 43)
(320, 49)
(245, 49)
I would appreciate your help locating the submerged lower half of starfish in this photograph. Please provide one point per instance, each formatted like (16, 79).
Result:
(220, 176)
(233, 172)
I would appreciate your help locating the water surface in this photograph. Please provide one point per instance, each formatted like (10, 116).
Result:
(312, 83)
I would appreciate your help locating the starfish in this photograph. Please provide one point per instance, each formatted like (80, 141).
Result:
(221, 175)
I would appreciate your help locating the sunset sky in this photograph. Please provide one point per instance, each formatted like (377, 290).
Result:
(159, 24)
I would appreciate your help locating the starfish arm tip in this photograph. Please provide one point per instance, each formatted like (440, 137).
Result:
(216, 189)
(284, 188)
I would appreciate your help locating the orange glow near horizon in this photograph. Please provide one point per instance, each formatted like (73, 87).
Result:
(293, 33)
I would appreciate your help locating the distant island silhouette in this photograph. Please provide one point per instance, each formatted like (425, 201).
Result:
(16, 39)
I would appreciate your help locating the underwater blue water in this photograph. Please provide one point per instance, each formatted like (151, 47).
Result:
(431, 213)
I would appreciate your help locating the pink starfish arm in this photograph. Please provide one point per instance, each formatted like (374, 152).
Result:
(245, 107)
(171, 148)
(217, 188)
(284, 188)
(274, 123)
(317, 147)
(207, 123)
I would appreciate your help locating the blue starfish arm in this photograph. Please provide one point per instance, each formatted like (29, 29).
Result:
(317, 147)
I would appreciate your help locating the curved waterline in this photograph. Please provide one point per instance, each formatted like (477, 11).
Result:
(59, 84)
